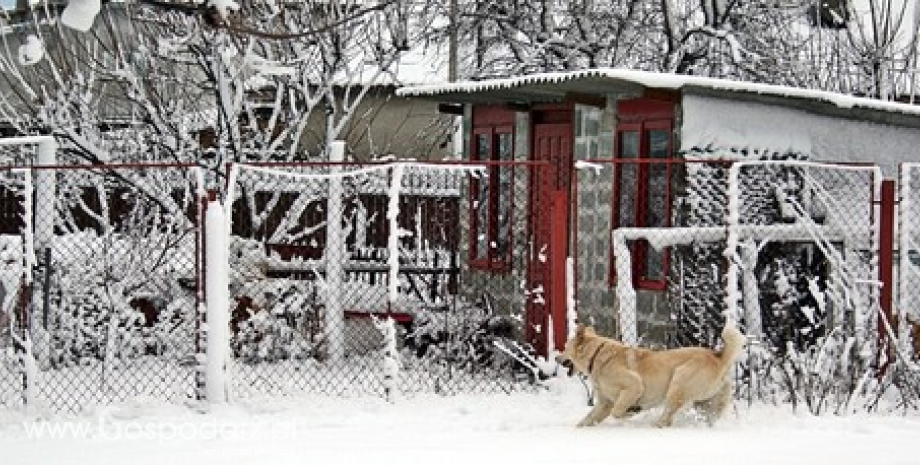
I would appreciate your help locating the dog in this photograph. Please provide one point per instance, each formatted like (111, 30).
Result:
(914, 323)
(627, 380)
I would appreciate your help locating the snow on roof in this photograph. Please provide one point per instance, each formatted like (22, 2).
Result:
(617, 77)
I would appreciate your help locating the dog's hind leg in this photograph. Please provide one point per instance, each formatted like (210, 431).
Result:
(676, 398)
(716, 406)
(674, 403)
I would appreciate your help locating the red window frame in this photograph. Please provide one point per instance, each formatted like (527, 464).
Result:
(493, 234)
(635, 196)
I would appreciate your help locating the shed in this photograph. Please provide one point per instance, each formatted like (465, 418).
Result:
(567, 118)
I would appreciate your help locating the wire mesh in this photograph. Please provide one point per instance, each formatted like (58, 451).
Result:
(812, 237)
(909, 256)
(310, 273)
(805, 243)
(113, 306)
(12, 284)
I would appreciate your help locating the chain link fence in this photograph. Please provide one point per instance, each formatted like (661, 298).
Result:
(112, 304)
(319, 256)
(794, 225)
(909, 256)
(461, 256)
(804, 242)
(321, 253)
(787, 247)
(12, 284)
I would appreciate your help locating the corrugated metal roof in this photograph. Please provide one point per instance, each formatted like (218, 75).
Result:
(553, 87)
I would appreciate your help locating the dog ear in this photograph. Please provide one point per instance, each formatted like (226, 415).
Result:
(584, 330)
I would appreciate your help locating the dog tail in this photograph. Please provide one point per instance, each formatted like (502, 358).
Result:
(734, 343)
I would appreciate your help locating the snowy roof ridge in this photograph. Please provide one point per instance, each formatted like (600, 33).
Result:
(660, 80)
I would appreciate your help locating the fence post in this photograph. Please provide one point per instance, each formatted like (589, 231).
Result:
(217, 299)
(37, 235)
(45, 192)
(201, 297)
(557, 269)
(886, 273)
(335, 257)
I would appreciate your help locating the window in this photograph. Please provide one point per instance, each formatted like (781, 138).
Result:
(491, 199)
(642, 191)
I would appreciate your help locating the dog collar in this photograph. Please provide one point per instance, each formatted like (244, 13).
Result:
(593, 357)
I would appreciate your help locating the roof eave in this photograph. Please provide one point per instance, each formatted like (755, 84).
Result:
(818, 107)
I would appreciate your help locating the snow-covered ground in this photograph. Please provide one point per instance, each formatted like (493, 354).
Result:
(468, 429)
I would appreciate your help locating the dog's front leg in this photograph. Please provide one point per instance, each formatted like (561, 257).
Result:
(601, 410)
(631, 389)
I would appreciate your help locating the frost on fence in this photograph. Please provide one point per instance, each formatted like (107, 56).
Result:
(112, 310)
(12, 281)
(788, 246)
(306, 279)
(909, 242)
(296, 277)
(802, 250)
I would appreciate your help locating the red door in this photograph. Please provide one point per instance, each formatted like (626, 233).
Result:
(549, 200)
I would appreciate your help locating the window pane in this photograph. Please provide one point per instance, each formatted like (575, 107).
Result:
(481, 200)
(483, 147)
(657, 180)
(502, 239)
(629, 144)
(627, 179)
(654, 264)
(656, 207)
(658, 143)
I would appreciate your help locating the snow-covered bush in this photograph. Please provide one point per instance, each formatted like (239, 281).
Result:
(282, 321)
(838, 374)
(116, 297)
(475, 339)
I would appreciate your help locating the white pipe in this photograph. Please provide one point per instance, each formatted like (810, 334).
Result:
(335, 258)
(26, 140)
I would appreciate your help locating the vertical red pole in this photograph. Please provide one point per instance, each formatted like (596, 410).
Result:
(886, 270)
(557, 266)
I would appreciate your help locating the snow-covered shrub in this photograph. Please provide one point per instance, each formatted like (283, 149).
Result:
(117, 297)
(838, 374)
(475, 339)
(284, 323)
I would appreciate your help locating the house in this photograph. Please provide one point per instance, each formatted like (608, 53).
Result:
(648, 124)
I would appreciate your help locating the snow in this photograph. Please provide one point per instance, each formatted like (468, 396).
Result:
(657, 80)
(517, 428)
(31, 51)
(393, 238)
(224, 7)
(80, 14)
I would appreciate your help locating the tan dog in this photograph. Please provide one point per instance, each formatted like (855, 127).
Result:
(628, 379)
